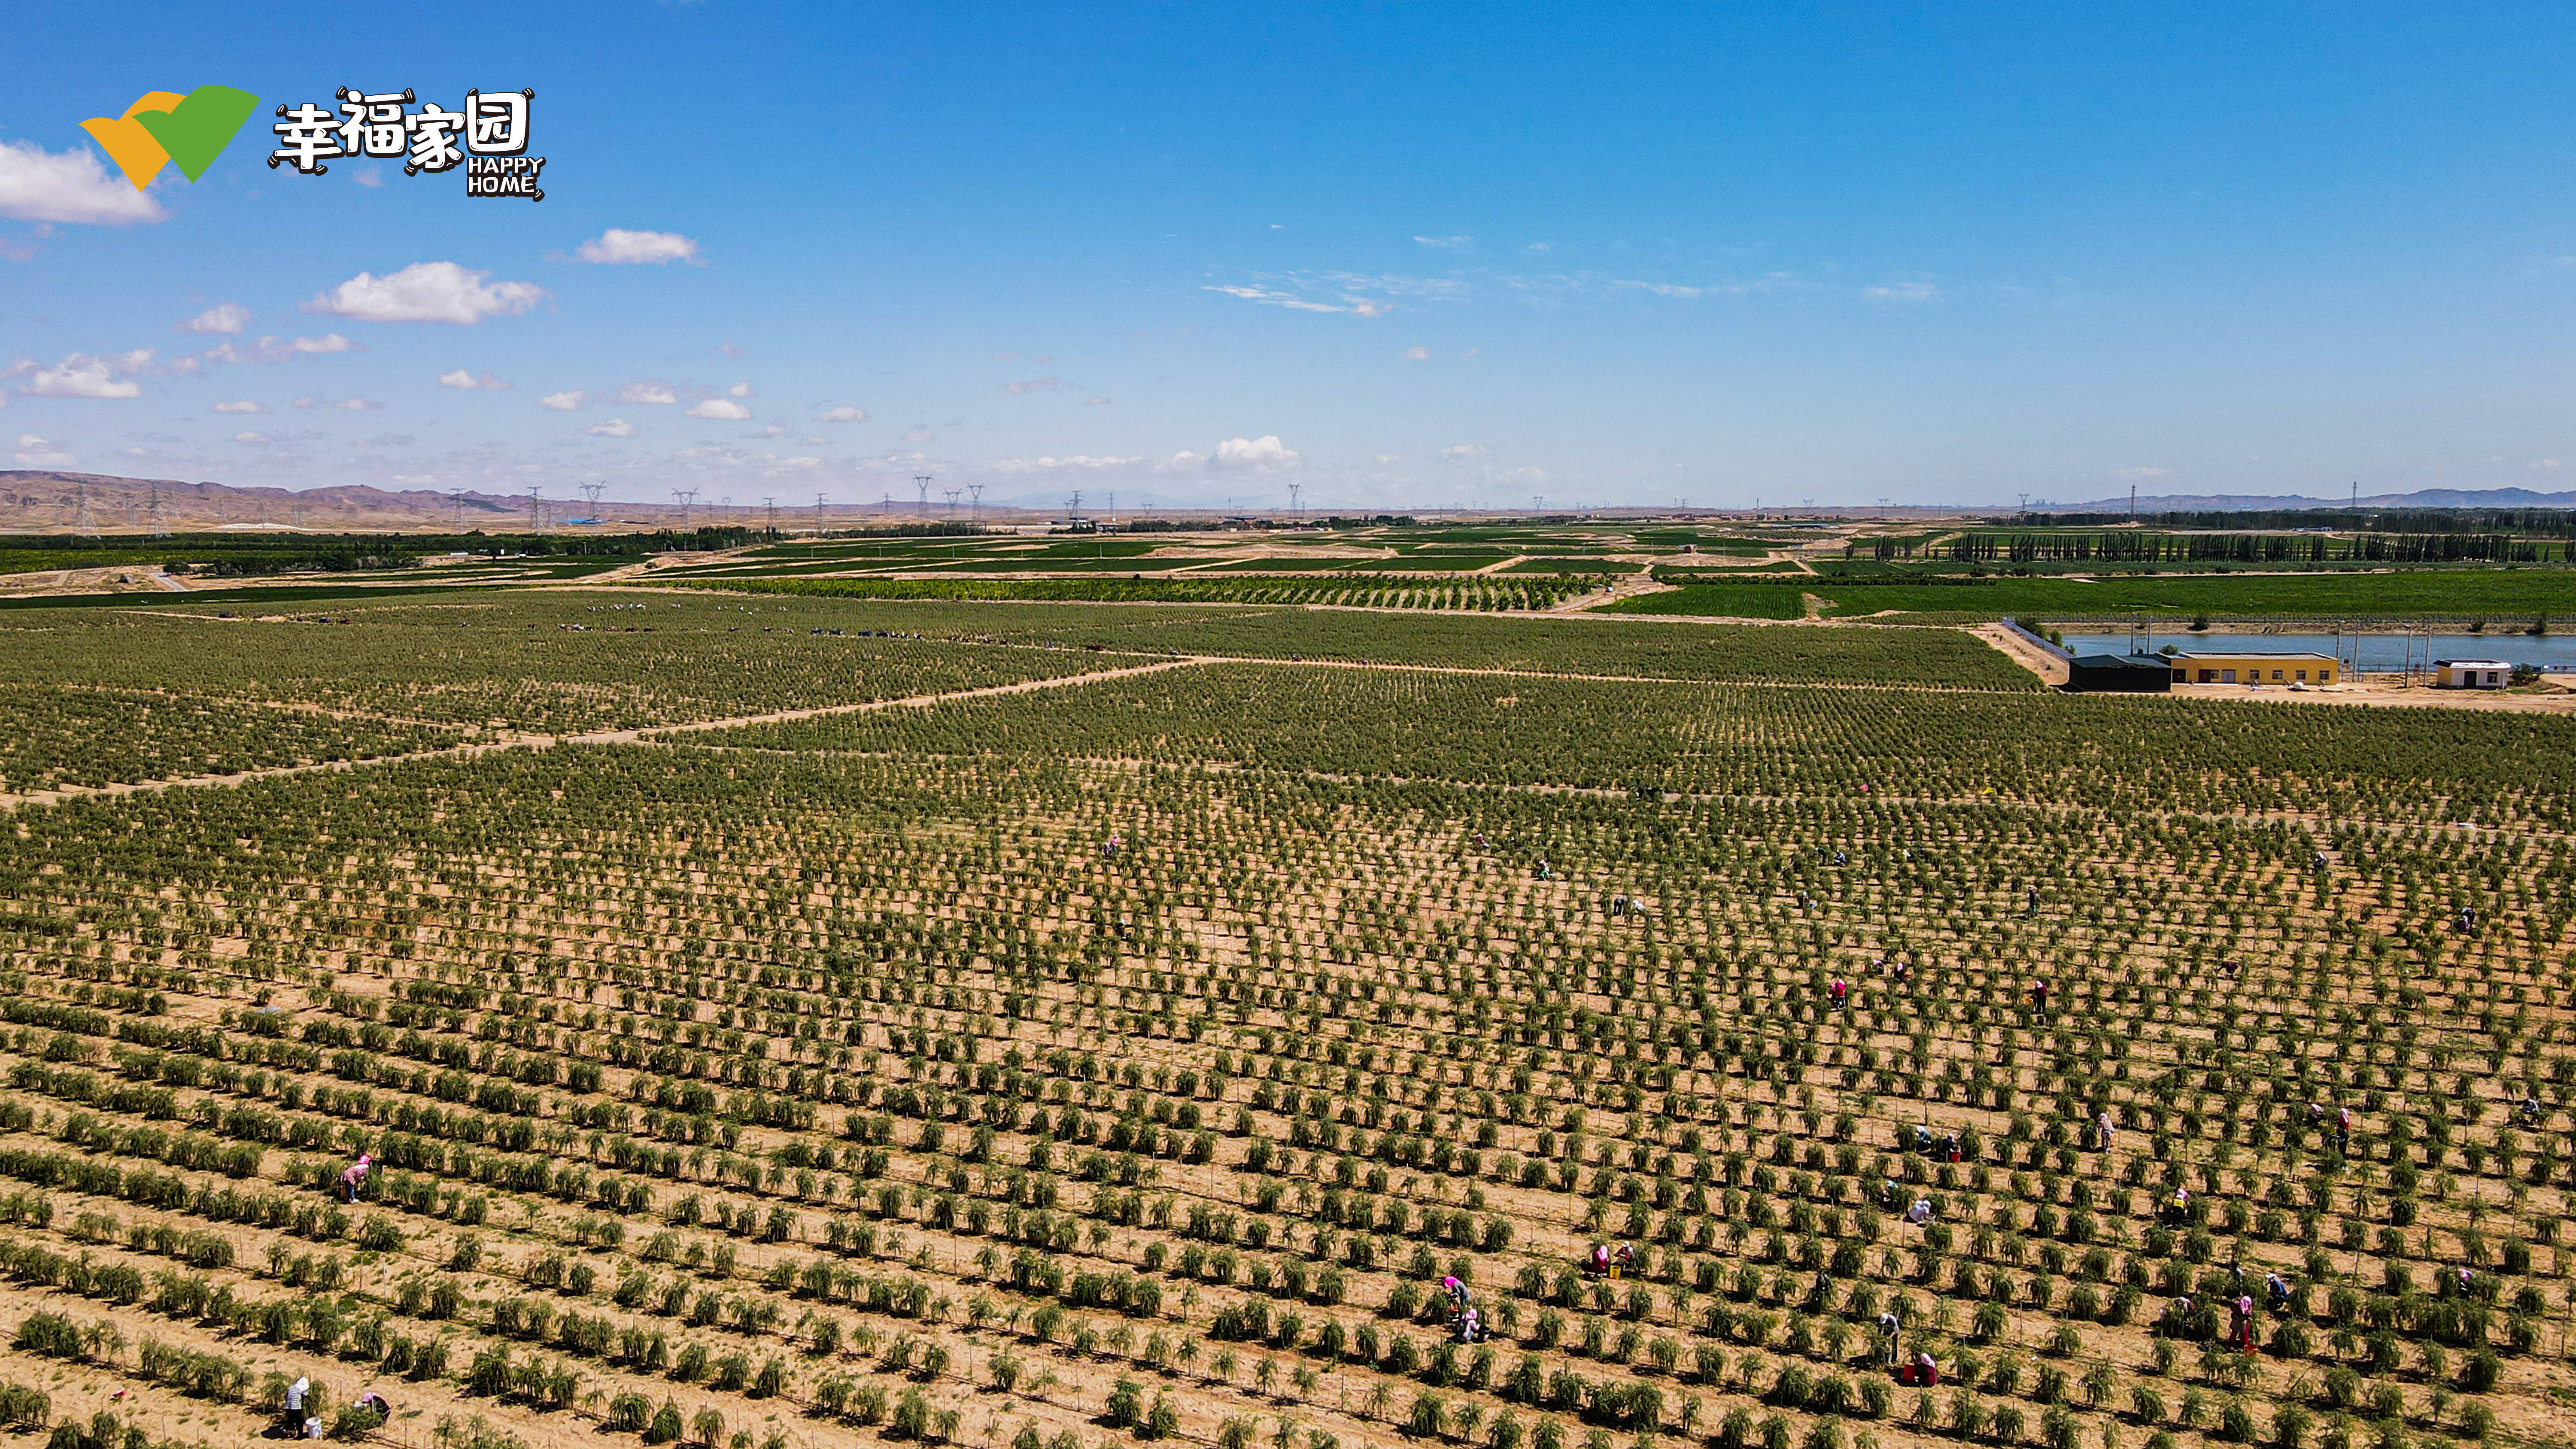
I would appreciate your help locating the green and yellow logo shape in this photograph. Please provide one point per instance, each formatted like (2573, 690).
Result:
(165, 126)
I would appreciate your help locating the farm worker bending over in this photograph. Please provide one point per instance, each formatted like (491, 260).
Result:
(1457, 1292)
(1470, 1327)
(2103, 1127)
(2276, 1292)
(1927, 1374)
(1626, 1261)
(1601, 1259)
(1920, 1213)
(2343, 1131)
(1842, 992)
(353, 1178)
(2178, 1316)
(295, 1396)
(2531, 1111)
(1887, 1329)
(376, 1403)
(2039, 995)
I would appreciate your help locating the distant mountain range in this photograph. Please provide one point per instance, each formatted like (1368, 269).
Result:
(48, 502)
(2255, 503)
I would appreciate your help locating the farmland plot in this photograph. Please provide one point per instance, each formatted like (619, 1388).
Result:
(1132, 1060)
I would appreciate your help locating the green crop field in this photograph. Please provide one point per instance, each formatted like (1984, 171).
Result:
(791, 1017)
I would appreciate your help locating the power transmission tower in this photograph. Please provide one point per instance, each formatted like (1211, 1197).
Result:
(1073, 507)
(977, 505)
(921, 482)
(536, 519)
(818, 515)
(80, 518)
(686, 496)
(951, 495)
(1112, 509)
(590, 493)
(157, 530)
(772, 505)
(456, 500)
(1293, 505)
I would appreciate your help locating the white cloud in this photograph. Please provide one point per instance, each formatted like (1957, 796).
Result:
(1370, 307)
(1269, 297)
(1095, 402)
(427, 292)
(460, 378)
(1461, 452)
(69, 186)
(617, 246)
(1416, 354)
(275, 349)
(244, 405)
(647, 392)
(223, 317)
(2140, 473)
(613, 428)
(1261, 452)
(36, 452)
(1447, 243)
(81, 375)
(722, 410)
(1186, 459)
(739, 389)
(250, 440)
(1907, 291)
(1538, 247)
(844, 415)
(356, 405)
(1035, 384)
(1083, 461)
(562, 402)
(918, 434)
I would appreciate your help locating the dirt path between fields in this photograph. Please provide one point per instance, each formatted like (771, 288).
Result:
(641, 733)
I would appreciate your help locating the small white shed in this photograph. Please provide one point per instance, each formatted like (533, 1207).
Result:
(2471, 673)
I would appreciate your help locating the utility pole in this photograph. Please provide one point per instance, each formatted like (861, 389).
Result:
(2133, 503)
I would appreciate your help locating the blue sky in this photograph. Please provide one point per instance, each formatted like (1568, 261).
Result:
(1393, 253)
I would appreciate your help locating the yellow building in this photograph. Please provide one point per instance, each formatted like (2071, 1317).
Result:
(2254, 667)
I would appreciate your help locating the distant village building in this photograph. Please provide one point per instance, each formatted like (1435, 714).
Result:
(2471, 674)
(2250, 668)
